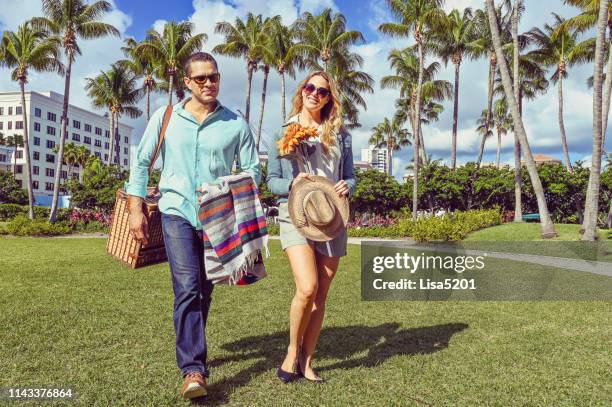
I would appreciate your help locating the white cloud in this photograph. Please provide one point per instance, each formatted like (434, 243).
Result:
(462, 4)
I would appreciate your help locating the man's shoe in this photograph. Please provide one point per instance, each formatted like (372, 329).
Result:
(194, 386)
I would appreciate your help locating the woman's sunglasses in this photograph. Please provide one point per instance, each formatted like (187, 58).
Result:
(321, 92)
(201, 79)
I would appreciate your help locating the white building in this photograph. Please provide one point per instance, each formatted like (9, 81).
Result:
(44, 111)
(6, 158)
(376, 157)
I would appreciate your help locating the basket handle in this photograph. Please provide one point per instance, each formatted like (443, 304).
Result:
(162, 134)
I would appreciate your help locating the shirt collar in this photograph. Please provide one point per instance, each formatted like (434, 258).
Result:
(180, 109)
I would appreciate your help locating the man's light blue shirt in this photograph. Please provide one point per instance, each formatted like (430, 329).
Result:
(192, 154)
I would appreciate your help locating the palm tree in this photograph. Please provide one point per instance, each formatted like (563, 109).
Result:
(286, 59)
(267, 59)
(27, 49)
(244, 40)
(503, 124)
(591, 207)
(82, 156)
(558, 46)
(548, 229)
(406, 66)
(70, 157)
(15, 141)
(391, 135)
(71, 20)
(485, 122)
(169, 50)
(585, 21)
(142, 65)
(324, 38)
(452, 43)
(415, 17)
(118, 91)
(323, 44)
(484, 47)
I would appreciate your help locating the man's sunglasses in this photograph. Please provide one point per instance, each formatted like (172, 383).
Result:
(321, 92)
(201, 79)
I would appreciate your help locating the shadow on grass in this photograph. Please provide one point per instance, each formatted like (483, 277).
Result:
(379, 343)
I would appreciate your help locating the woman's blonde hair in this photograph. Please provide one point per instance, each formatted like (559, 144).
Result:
(331, 114)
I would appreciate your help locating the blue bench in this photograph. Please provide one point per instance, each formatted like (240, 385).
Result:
(531, 216)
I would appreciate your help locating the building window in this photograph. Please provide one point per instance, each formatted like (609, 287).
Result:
(106, 133)
(1, 111)
(98, 143)
(34, 184)
(50, 158)
(76, 124)
(97, 154)
(105, 157)
(2, 158)
(48, 186)
(64, 174)
(76, 137)
(50, 143)
(36, 126)
(51, 130)
(20, 183)
(87, 140)
(1, 125)
(10, 125)
(18, 169)
(98, 131)
(49, 172)
(125, 150)
(18, 110)
(19, 154)
(37, 112)
(106, 146)
(36, 141)
(51, 116)
(126, 140)
(19, 125)
(125, 161)
(88, 127)
(36, 155)
(10, 110)
(35, 169)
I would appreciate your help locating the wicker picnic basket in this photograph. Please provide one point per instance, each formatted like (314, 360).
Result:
(121, 244)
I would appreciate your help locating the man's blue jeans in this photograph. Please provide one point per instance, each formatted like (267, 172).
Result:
(192, 292)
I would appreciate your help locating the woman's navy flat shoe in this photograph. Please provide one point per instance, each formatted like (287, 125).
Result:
(287, 377)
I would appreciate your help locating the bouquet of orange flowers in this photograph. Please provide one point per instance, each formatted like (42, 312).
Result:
(292, 138)
(294, 144)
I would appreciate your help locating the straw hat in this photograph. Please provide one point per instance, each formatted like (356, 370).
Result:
(316, 210)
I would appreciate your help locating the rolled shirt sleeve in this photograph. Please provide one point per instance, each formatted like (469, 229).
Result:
(139, 171)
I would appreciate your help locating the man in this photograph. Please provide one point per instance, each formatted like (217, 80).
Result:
(201, 142)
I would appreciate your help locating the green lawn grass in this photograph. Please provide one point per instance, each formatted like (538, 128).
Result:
(72, 316)
(528, 231)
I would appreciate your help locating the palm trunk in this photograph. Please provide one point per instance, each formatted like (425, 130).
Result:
(455, 118)
(609, 221)
(26, 152)
(111, 133)
(489, 107)
(263, 104)
(498, 150)
(247, 108)
(170, 88)
(62, 140)
(548, 228)
(422, 152)
(283, 108)
(116, 137)
(607, 93)
(591, 207)
(148, 104)
(390, 160)
(415, 185)
(566, 156)
(518, 177)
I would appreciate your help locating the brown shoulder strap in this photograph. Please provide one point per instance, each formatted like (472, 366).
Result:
(162, 134)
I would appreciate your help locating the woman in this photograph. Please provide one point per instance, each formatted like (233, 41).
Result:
(316, 105)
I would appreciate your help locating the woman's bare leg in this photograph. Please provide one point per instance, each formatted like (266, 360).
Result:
(304, 267)
(326, 270)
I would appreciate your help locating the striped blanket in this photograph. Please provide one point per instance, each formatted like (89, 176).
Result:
(235, 230)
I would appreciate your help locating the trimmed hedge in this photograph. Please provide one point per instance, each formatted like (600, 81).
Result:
(22, 226)
(10, 211)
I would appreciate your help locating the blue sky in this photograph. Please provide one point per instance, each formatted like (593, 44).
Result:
(135, 17)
